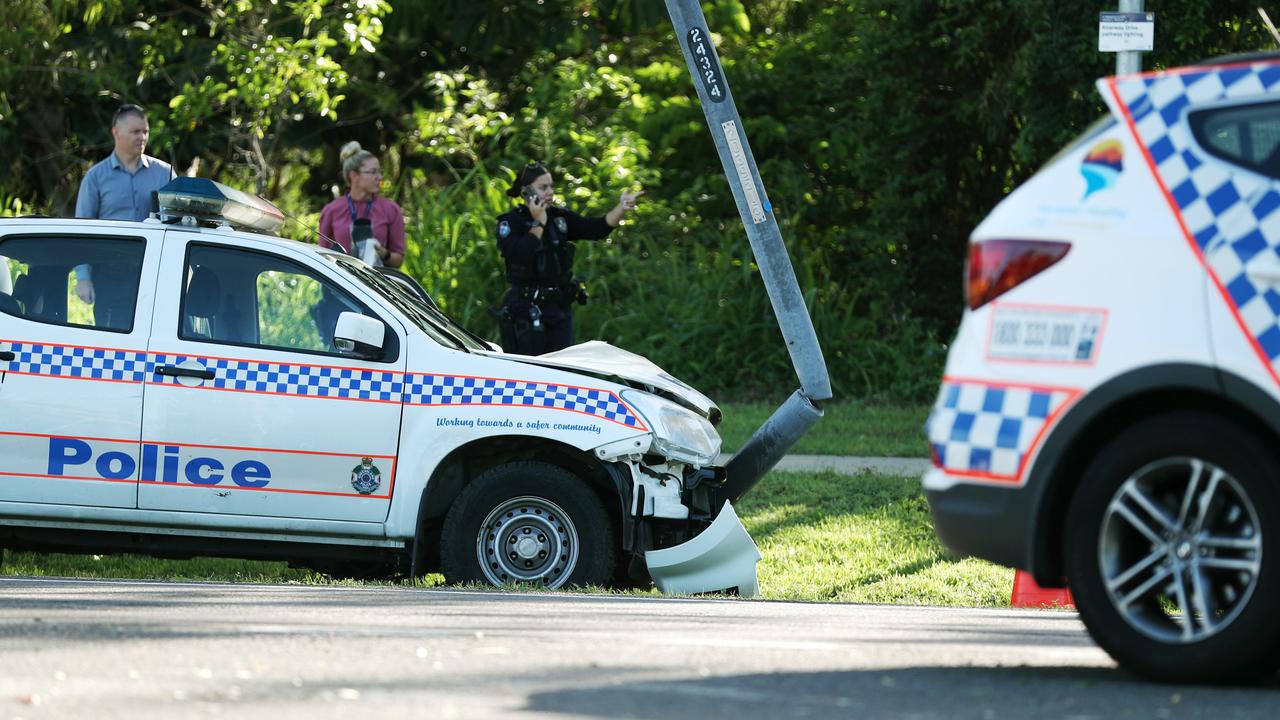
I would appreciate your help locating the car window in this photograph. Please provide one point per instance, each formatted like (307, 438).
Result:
(243, 297)
(424, 314)
(41, 274)
(1247, 135)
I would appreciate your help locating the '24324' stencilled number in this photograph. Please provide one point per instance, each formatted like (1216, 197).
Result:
(708, 67)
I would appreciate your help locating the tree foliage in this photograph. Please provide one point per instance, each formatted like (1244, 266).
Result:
(885, 130)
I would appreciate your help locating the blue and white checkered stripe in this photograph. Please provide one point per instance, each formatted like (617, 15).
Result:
(1231, 215)
(318, 381)
(68, 361)
(989, 429)
(285, 379)
(459, 391)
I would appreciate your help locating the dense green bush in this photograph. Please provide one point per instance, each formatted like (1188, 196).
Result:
(884, 130)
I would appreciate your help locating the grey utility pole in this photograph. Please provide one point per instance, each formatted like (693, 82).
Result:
(1129, 61)
(790, 421)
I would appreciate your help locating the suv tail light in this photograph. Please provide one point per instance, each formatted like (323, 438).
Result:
(997, 266)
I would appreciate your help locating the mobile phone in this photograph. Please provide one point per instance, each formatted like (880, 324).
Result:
(529, 194)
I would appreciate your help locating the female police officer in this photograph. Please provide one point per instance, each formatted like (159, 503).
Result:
(536, 241)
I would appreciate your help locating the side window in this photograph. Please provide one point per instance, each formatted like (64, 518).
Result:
(243, 297)
(1246, 135)
(82, 281)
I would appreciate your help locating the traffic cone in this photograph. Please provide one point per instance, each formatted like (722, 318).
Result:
(1027, 594)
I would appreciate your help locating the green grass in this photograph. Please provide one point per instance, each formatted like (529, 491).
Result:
(846, 428)
(823, 537)
(860, 538)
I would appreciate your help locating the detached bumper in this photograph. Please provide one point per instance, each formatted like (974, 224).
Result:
(722, 557)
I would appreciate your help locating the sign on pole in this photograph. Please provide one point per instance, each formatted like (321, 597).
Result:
(1123, 32)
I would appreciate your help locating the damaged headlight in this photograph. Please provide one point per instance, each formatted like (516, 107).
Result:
(678, 433)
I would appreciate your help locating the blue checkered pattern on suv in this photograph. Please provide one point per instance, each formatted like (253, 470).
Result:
(1230, 215)
(989, 430)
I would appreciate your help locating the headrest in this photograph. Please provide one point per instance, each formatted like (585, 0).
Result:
(204, 293)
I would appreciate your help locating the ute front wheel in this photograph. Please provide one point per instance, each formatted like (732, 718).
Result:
(528, 523)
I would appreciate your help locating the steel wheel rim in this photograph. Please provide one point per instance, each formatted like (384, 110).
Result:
(527, 540)
(1180, 550)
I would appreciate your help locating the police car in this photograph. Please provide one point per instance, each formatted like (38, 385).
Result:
(1109, 415)
(232, 393)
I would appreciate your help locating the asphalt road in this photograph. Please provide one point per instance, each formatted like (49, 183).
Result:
(99, 649)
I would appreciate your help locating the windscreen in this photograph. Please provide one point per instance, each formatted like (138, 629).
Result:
(436, 324)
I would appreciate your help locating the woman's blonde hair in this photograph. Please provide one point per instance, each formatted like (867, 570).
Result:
(352, 156)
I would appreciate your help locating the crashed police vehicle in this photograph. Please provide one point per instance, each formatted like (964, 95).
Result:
(1110, 414)
(232, 393)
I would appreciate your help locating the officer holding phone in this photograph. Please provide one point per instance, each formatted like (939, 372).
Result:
(536, 241)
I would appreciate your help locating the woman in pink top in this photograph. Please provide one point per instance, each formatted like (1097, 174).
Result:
(362, 213)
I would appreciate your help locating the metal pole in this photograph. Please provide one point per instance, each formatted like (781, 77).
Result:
(1129, 61)
(799, 412)
(748, 190)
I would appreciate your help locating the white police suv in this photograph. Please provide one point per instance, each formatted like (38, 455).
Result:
(215, 390)
(1110, 411)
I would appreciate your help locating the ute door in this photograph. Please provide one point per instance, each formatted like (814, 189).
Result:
(252, 409)
(71, 373)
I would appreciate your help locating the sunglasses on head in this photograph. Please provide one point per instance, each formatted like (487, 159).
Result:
(126, 109)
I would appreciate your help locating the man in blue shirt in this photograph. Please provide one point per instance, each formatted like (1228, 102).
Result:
(119, 188)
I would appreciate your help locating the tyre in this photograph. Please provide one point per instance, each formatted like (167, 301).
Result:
(1173, 548)
(528, 523)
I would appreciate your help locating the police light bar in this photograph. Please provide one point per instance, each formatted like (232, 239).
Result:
(208, 201)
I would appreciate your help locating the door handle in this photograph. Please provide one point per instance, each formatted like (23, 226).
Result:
(174, 371)
(7, 356)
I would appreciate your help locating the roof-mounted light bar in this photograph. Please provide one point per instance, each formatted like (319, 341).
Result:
(207, 201)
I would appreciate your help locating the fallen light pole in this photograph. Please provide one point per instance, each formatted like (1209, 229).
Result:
(801, 410)
(723, 556)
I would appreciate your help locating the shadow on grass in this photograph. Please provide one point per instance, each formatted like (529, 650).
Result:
(835, 590)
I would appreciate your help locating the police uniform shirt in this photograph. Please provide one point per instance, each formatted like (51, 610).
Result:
(519, 246)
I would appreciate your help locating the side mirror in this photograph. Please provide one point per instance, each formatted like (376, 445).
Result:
(359, 334)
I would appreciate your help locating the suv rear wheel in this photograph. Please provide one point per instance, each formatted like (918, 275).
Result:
(528, 522)
(1174, 550)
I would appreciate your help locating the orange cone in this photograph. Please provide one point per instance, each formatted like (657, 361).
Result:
(1027, 594)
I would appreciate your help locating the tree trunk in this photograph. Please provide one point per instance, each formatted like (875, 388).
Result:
(52, 171)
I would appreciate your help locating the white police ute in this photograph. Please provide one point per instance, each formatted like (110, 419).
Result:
(193, 385)
(1109, 415)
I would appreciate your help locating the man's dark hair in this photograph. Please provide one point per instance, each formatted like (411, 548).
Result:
(128, 109)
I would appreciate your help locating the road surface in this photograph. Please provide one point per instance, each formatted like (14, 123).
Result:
(103, 649)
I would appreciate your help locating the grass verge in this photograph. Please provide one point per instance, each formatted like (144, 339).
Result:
(823, 537)
(846, 428)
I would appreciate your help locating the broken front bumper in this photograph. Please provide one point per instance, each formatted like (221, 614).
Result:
(722, 557)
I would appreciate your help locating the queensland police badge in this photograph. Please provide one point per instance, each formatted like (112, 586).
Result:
(366, 477)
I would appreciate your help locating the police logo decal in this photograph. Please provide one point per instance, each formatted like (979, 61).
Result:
(562, 225)
(366, 478)
(504, 229)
